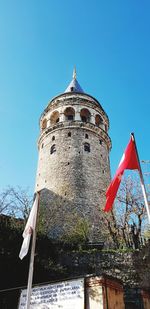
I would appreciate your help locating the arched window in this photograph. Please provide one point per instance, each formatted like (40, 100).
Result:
(87, 147)
(53, 149)
(85, 115)
(69, 114)
(98, 120)
(44, 124)
(69, 134)
(53, 138)
(54, 118)
(86, 135)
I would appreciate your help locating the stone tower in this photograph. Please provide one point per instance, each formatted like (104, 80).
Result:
(73, 167)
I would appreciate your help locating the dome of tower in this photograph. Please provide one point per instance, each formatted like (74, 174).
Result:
(74, 85)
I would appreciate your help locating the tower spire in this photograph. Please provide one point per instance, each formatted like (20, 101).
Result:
(74, 73)
(74, 85)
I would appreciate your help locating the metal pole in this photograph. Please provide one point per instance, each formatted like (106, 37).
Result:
(142, 181)
(31, 266)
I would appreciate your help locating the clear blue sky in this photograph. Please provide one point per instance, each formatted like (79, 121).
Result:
(40, 42)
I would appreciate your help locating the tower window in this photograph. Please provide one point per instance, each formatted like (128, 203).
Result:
(69, 113)
(87, 147)
(53, 138)
(83, 118)
(98, 120)
(69, 134)
(86, 136)
(100, 141)
(85, 115)
(53, 149)
(44, 124)
(70, 117)
(54, 118)
(71, 89)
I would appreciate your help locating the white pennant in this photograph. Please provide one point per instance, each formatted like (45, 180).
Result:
(30, 226)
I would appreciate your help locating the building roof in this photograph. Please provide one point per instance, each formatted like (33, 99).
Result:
(74, 85)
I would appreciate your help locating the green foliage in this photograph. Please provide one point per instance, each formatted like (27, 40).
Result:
(78, 233)
(10, 234)
(124, 250)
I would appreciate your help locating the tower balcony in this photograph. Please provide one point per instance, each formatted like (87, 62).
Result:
(77, 124)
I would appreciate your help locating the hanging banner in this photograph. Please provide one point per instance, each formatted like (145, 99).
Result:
(64, 295)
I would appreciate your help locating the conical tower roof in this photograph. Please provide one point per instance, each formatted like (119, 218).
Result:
(74, 85)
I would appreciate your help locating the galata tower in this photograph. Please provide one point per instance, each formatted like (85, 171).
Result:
(73, 166)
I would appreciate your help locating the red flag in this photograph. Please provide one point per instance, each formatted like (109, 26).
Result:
(129, 161)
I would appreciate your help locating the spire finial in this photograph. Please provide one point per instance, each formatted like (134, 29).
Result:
(74, 73)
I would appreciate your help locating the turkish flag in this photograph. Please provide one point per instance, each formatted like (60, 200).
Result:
(128, 161)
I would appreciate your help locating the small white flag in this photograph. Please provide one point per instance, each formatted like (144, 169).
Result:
(29, 228)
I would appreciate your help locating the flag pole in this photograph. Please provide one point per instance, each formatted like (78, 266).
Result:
(142, 181)
(31, 266)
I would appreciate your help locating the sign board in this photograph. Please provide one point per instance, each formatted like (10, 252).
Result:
(64, 295)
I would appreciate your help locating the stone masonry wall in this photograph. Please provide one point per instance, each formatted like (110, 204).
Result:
(132, 268)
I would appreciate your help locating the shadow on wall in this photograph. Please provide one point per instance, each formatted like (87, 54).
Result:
(65, 220)
(59, 217)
